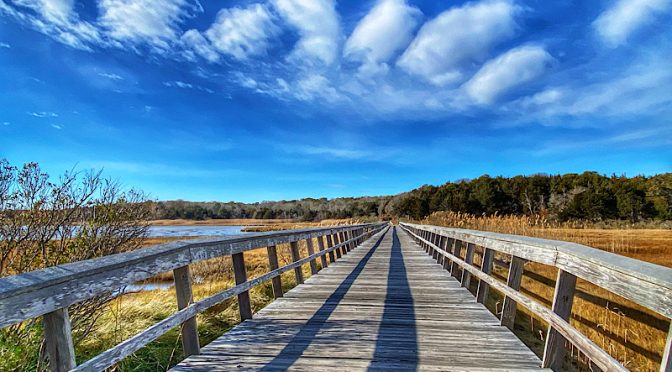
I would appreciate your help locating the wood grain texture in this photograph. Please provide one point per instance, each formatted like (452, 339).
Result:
(240, 275)
(516, 269)
(554, 349)
(311, 251)
(486, 268)
(384, 306)
(273, 265)
(58, 340)
(320, 246)
(184, 295)
(296, 256)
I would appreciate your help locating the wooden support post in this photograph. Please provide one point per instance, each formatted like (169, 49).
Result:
(486, 267)
(330, 243)
(273, 264)
(346, 237)
(448, 247)
(240, 275)
(320, 246)
(58, 340)
(554, 351)
(430, 238)
(337, 250)
(341, 240)
(468, 259)
(311, 251)
(296, 255)
(182, 278)
(457, 248)
(666, 362)
(434, 238)
(516, 269)
(441, 242)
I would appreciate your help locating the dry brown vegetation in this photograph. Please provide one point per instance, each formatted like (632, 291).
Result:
(630, 333)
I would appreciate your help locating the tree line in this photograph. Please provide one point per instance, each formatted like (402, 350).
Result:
(586, 196)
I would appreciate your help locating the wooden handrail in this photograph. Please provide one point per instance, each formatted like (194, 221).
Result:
(646, 284)
(50, 291)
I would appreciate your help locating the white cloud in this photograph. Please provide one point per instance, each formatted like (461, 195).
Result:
(43, 114)
(179, 84)
(384, 31)
(111, 76)
(56, 11)
(336, 152)
(641, 89)
(6, 123)
(56, 126)
(507, 71)
(457, 37)
(243, 32)
(196, 44)
(318, 26)
(616, 23)
(137, 22)
(57, 19)
(314, 87)
(4, 45)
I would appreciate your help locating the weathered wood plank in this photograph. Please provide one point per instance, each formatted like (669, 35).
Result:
(323, 258)
(184, 295)
(554, 350)
(296, 256)
(273, 265)
(486, 268)
(516, 269)
(240, 275)
(311, 251)
(468, 258)
(58, 340)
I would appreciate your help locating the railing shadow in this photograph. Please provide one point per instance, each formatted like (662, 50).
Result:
(300, 342)
(397, 335)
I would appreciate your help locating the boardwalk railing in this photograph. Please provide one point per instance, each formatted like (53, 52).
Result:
(646, 284)
(50, 291)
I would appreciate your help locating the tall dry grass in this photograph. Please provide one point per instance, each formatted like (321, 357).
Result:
(632, 334)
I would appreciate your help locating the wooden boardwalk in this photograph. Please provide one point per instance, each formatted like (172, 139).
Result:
(385, 305)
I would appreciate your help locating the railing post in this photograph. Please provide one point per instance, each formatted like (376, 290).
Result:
(666, 362)
(320, 246)
(486, 268)
(240, 275)
(311, 251)
(448, 247)
(554, 351)
(273, 265)
(295, 257)
(442, 247)
(330, 243)
(184, 294)
(58, 340)
(515, 275)
(337, 250)
(457, 248)
(468, 260)
(346, 237)
(342, 239)
(435, 241)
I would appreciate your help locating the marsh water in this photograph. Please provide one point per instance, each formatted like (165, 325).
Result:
(175, 231)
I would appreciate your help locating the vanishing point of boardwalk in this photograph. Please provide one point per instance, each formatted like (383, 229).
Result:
(385, 305)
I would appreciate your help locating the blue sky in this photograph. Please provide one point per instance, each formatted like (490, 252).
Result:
(283, 99)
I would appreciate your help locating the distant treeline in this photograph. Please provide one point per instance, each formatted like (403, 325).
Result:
(586, 196)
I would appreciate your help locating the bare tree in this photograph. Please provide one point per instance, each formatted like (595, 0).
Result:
(77, 217)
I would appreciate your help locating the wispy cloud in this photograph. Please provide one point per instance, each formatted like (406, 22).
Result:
(6, 123)
(134, 22)
(56, 126)
(616, 24)
(43, 114)
(183, 85)
(4, 45)
(110, 76)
